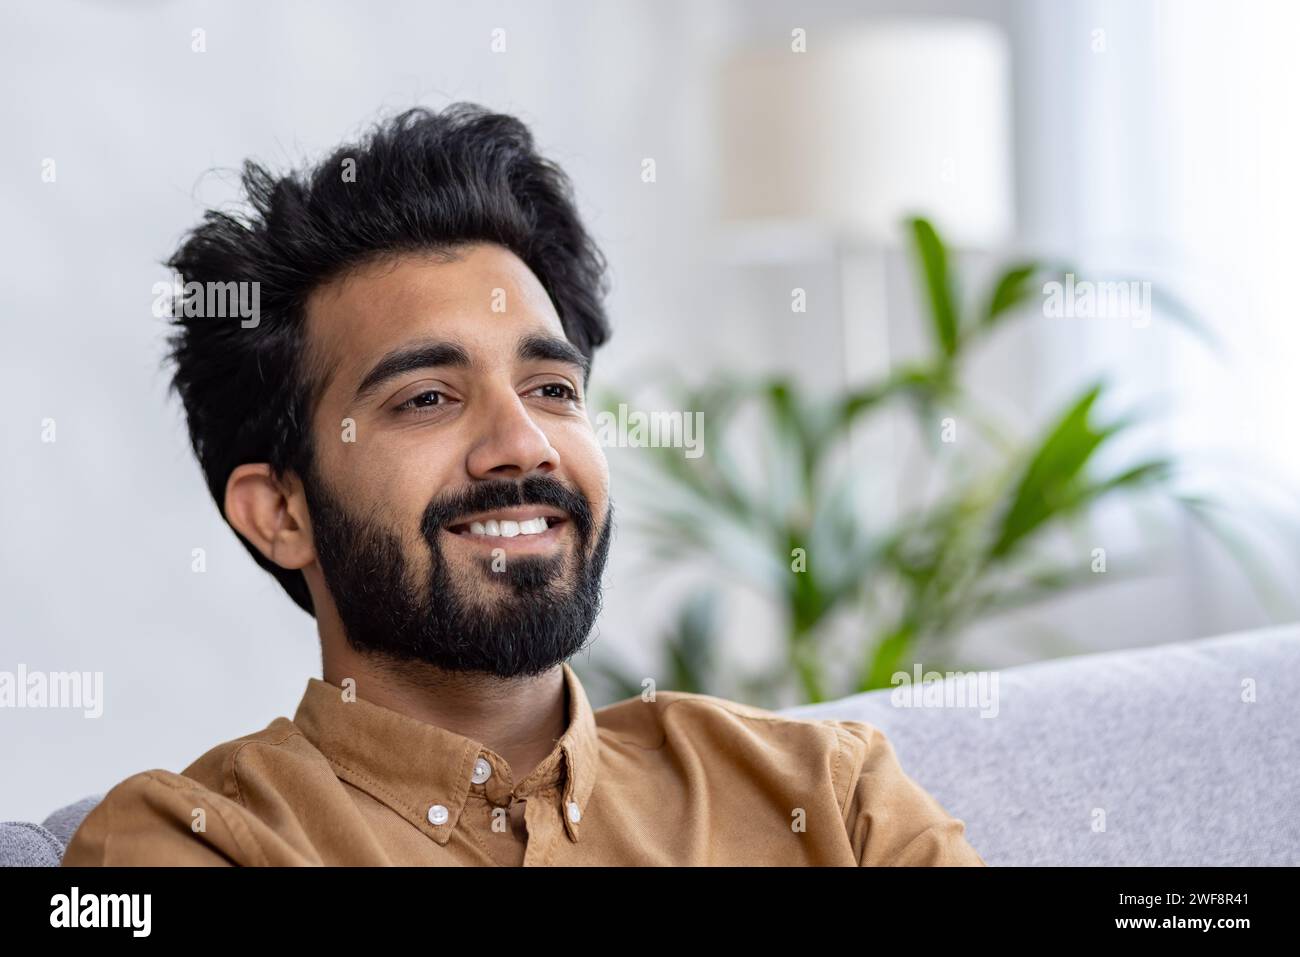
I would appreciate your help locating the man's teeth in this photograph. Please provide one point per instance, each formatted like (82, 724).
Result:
(533, 526)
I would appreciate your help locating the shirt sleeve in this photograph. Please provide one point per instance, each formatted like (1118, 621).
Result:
(158, 818)
(892, 821)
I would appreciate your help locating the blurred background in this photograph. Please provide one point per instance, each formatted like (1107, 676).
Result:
(984, 308)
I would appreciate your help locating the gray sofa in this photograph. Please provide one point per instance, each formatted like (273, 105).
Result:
(1153, 756)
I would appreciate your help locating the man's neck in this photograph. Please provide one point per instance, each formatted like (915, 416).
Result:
(520, 719)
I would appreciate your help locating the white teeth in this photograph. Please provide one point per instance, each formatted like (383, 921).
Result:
(509, 529)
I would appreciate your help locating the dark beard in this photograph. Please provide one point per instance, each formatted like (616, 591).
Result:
(527, 629)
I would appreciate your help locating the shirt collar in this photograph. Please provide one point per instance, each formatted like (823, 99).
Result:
(426, 773)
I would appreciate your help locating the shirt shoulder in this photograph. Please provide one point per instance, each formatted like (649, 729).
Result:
(279, 751)
(159, 818)
(740, 738)
(206, 815)
(889, 819)
(685, 719)
(892, 820)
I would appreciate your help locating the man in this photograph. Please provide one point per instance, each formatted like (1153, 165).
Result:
(400, 436)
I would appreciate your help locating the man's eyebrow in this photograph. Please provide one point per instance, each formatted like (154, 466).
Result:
(432, 355)
(554, 349)
(425, 355)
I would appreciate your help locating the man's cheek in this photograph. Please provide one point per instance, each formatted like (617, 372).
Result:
(590, 465)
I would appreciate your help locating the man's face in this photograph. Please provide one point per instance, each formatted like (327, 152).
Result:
(454, 408)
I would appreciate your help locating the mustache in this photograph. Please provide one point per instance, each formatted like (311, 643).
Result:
(486, 496)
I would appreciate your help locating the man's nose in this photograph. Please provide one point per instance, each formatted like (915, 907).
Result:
(510, 443)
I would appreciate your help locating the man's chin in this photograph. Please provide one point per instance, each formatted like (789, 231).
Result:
(492, 574)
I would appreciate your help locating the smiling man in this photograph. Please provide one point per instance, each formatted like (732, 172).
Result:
(402, 439)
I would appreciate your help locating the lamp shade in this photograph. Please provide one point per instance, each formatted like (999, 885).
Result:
(872, 124)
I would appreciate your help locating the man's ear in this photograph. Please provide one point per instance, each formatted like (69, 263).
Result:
(271, 514)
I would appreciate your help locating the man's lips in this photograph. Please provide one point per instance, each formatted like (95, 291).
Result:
(520, 520)
(516, 514)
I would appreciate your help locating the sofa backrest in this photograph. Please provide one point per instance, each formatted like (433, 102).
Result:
(1179, 754)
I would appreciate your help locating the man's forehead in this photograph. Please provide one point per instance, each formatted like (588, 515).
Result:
(484, 297)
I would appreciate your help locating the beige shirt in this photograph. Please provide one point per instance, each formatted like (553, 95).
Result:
(685, 779)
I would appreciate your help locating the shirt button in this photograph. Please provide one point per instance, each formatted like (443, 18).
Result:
(482, 771)
(574, 814)
(438, 814)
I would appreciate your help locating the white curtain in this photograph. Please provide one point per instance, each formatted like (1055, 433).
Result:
(1160, 141)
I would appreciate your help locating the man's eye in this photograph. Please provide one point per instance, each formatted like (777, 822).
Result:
(422, 401)
(567, 392)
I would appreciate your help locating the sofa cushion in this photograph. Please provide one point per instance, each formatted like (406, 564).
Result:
(1178, 754)
(28, 845)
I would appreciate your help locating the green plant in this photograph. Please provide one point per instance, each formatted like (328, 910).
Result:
(791, 526)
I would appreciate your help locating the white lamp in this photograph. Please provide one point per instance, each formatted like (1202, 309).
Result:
(870, 124)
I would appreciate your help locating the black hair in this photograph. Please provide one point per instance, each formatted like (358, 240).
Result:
(421, 181)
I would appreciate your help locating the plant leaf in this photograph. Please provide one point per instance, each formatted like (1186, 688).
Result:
(938, 285)
(1045, 486)
(1017, 286)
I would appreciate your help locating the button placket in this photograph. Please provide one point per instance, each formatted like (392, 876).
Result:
(495, 782)
(571, 811)
(446, 812)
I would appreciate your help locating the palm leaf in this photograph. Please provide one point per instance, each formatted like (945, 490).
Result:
(938, 285)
